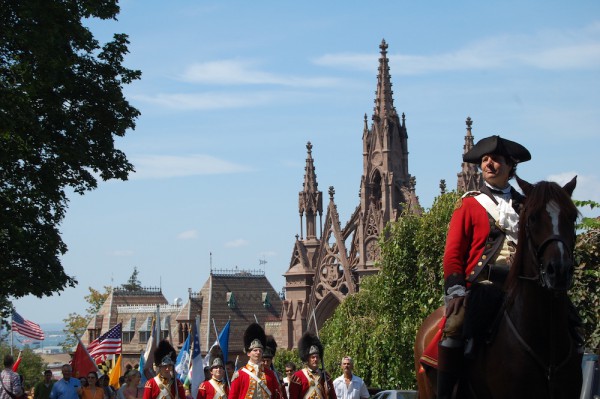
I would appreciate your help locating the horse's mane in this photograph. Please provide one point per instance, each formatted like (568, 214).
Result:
(541, 193)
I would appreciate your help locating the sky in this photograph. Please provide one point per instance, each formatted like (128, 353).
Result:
(232, 91)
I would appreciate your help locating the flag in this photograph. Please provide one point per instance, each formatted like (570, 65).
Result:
(197, 369)
(82, 363)
(147, 369)
(108, 343)
(115, 374)
(26, 327)
(224, 340)
(15, 367)
(182, 365)
(142, 362)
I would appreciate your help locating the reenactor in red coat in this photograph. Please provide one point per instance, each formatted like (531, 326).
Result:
(165, 385)
(254, 381)
(216, 387)
(311, 382)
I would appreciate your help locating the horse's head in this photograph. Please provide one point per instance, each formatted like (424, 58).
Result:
(547, 226)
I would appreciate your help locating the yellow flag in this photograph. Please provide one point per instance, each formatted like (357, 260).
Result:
(115, 374)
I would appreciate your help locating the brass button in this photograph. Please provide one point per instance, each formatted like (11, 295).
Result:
(483, 257)
(480, 263)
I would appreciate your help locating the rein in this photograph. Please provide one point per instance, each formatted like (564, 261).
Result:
(537, 254)
(550, 370)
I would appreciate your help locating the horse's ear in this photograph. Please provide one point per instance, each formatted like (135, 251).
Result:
(570, 186)
(525, 186)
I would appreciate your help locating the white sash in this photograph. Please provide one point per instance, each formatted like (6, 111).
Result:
(164, 389)
(311, 388)
(258, 380)
(218, 389)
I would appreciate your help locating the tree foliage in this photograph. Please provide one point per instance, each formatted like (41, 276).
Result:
(76, 324)
(61, 106)
(377, 326)
(31, 367)
(284, 356)
(133, 283)
(586, 287)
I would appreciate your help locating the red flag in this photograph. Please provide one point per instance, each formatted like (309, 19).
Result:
(16, 365)
(82, 363)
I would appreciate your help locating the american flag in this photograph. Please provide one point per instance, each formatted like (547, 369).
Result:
(26, 327)
(108, 343)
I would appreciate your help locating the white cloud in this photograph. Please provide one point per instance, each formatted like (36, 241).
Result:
(167, 166)
(188, 235)
(588, 186)
(122, 252)
(209, 100)
(244, 72)
(551, 50)
(240, 242)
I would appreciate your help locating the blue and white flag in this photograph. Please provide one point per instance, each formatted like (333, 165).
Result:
(197, 369)
(182, 365)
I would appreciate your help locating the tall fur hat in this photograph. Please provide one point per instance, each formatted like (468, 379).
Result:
(254, 337)
(308, 345)
(270, 347)
(216, 357)
(164, 354)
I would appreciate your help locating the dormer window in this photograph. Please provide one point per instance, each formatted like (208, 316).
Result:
(265, 300)
(230, 300)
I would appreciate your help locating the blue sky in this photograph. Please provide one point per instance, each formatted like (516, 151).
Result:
(232, 90)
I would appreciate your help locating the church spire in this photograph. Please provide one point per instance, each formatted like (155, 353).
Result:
(310, 201)
(384, 102)
(469, 178)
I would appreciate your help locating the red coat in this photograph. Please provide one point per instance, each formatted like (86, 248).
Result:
(152, 390)
(467, 236)
(206, 390)
(241, 384)
(299, 386)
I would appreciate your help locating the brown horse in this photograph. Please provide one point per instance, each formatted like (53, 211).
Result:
(531, 353)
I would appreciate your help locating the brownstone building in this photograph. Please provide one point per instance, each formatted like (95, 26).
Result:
(325, 268)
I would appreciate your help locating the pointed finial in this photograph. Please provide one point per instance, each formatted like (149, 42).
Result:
(297, 236)
(331, 192)
(442, 186)
(383, 46)
(309, 147)
(469, 122)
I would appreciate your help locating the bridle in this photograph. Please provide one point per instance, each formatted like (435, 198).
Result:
(537, 253)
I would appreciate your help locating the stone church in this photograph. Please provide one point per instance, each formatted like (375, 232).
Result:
(325, 268)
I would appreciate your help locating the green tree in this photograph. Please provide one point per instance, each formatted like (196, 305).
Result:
(586, 287)
(31, 367)
(133, 284)
(283, 356)
(61, 107)
(379, 323)
(76, 324)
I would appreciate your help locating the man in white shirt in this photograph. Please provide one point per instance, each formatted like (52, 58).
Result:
(348, 385)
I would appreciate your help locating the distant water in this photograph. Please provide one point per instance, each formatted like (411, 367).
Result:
(52, 338)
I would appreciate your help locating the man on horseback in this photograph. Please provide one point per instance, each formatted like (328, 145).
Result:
(480, 244)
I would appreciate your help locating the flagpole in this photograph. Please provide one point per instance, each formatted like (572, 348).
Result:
(12, 333)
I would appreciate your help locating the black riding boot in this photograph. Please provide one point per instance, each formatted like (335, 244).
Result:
(449, 365)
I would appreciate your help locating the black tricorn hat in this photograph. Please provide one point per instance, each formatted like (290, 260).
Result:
(254, 337)
(164, 354)
(309, 344)
(270, 347)
(497, 145)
